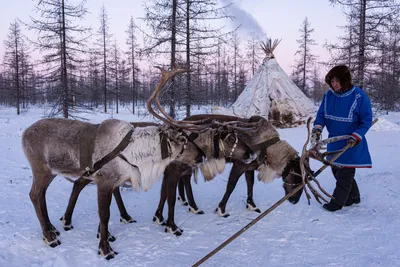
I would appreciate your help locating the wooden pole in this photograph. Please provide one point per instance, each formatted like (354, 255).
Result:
(241, 231)
(265, 213)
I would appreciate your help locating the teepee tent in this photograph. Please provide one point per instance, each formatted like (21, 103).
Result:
(271, 94)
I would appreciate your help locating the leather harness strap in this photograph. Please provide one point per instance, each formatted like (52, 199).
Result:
(107, 158)
(262, 147)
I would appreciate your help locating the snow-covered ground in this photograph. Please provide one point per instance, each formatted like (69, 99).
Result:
(367, 234)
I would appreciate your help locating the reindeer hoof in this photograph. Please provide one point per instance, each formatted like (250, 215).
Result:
(220, 213)
(252, 208)
(177, 231)
(195, 210)
(128, 219)
(159, 221)
(54, 243)
(183, 202)
(66, 226)
(110, 255)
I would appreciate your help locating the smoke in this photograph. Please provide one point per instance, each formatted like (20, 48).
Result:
(248, 24)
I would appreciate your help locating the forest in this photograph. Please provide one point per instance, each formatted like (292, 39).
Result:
(82, 68)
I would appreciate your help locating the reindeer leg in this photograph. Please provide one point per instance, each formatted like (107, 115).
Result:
(41, 180)
(124, 216)
(181, 192)
(185, 177)
(171, 184)
(104, 196)
(250, 205)
(237, 170)
(158, 217)
(66, 219)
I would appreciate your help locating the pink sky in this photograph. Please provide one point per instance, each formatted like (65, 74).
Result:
(278, 19)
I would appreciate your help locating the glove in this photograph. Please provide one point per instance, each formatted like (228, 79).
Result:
(315, 135)
(352, 141)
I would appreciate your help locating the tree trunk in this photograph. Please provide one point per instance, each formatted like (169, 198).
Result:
(64, 82)
(361, 43)
(188, 75)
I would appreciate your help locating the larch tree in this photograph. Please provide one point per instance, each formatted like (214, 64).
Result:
(303, 65)
(104, 43)
(132, 52)
(13, 61)
(367, 19)
(61, 42)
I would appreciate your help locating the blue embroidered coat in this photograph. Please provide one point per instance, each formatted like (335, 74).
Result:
(348, 113)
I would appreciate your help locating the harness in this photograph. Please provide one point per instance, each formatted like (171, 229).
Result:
(285, 173)
(262, 147)
(107, 158)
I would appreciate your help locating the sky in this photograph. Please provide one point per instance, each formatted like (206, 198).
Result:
(363, 235)
(278, 19)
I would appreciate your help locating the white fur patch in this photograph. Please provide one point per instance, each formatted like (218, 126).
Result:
(144, 151)
(278, 156)
(212, 167)
(266, 174)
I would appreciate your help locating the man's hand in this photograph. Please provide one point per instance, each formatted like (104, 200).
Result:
(352, 141)
(315, 135)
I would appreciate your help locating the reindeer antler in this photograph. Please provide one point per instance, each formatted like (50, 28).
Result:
(165, 76)
(314, 152)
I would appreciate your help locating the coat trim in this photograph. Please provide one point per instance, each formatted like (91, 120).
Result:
(344, 94)
(353, 165)
(351, 112)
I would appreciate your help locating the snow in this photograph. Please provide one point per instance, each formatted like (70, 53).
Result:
(367, 234)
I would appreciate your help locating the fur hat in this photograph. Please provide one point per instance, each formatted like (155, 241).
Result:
(342, 73)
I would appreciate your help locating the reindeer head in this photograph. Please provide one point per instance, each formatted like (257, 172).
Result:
(177, 145)
(292, 179)
(216, 141)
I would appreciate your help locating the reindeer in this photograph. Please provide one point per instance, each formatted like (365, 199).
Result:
(217, 143)
(275, 158)
(108, 154)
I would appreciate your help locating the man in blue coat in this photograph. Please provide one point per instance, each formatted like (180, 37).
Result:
(345, 110)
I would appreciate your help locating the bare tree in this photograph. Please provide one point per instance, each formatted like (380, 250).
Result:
(61, 42)
(132, 52)
(13, 58)
(236, 58)
(115, 63)
(104, 43)
(253, 53)
(304, 64)
(367, 19)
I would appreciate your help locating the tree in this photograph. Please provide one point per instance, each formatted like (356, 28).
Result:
(367, 20)
(14, 57)
(181, 30)
(303, 65)
(60, 41)
(104, 43)
(132, 51)
(253, 53)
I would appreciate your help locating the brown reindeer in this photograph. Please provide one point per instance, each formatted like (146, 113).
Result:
(109, 154)
(275, 158)
(216, 143)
